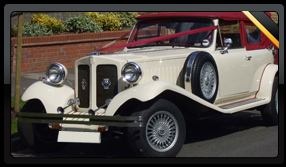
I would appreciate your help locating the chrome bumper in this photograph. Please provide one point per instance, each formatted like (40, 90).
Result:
(117, 121)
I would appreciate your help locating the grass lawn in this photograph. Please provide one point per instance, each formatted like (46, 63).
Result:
(14, 129)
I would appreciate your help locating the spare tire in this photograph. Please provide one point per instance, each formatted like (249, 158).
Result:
(204, 77)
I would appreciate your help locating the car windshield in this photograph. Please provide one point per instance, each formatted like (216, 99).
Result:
(147, 29)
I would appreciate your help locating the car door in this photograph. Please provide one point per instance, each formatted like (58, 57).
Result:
(235, 72)
(259, 48)
(235, 66)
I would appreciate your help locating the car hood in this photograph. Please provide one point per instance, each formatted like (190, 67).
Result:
(140, 55)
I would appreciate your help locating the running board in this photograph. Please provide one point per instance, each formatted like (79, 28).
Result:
(241, 103)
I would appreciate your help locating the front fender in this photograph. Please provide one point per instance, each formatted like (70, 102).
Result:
(51, 96)
(148, 91)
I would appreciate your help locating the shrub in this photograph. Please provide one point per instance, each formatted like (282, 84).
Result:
(81, 24)
(127, 19)
(108, 21)
(31, 29)
(93, 15)
(52, 24)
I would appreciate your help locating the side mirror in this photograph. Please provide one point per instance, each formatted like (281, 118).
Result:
(227, 44)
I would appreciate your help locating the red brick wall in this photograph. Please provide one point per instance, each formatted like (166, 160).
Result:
(39, 52)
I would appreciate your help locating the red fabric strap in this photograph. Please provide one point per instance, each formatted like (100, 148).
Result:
(199, 30)
(113, 42)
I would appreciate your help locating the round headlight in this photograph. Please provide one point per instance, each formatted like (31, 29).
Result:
(131, 73)
(56, 73)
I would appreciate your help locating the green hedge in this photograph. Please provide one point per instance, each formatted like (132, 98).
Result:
(81, 24)
(52, 24)
(30, 29)
(108, 22)
(42, 24)
(126, 19)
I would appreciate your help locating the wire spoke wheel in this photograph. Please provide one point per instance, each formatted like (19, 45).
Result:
(162, 131)
(208, 80)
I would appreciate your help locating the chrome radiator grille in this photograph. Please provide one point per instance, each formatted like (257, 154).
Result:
(84, 85)
(106, 83)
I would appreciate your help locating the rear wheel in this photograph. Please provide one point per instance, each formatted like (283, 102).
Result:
(164, 133)
(269, 112)
(39, 137)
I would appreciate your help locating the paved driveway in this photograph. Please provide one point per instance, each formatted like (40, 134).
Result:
(238, 135)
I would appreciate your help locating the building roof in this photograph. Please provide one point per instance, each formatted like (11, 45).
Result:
(222, 15)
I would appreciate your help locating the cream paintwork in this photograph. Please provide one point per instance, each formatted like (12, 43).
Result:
(244, 76)
(167, 63)
(232, 67)
(51, 96)
(265, 89)
(151, 90)
(238, 79)
(93, 61)
(155, 88)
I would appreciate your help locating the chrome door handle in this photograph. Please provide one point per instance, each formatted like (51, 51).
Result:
(247, 58)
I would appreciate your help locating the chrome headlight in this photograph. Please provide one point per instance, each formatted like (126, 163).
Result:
(131, 73)
(56, 73)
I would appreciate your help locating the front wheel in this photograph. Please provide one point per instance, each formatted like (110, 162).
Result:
(39, 137)
(164, 133)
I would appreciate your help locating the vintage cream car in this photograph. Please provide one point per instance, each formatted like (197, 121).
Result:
(175, 66)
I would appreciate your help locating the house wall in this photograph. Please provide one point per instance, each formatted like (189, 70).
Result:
(39, 52)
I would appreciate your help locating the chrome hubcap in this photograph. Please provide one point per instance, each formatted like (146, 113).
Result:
(162, 131)
(208, 80)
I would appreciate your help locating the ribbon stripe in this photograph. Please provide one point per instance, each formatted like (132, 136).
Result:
(199, 30)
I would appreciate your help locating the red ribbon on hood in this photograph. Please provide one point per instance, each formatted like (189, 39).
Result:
(199, 30)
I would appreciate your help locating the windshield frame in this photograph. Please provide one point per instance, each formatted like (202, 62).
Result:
(170, 19)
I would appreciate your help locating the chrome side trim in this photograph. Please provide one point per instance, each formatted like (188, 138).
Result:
(190, 62)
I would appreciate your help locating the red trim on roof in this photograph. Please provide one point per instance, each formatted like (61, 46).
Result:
(222, 15)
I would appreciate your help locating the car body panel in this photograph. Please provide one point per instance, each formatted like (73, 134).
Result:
(245, 75)
(51, 96)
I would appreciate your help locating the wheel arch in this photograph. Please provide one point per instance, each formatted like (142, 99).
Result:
(267, 80)
(188, 107)
(35, 103)
(50, 96)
